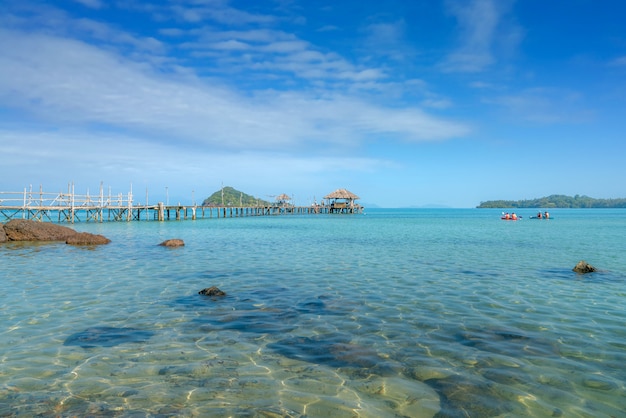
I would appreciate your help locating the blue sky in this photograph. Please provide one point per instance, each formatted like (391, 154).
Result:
(405, 103)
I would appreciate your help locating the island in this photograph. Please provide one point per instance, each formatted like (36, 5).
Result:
(228, 196)
(556, 201)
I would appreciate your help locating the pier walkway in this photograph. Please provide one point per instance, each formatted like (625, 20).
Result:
(71, 207)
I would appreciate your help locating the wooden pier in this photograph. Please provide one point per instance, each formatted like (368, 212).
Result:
(72, 208)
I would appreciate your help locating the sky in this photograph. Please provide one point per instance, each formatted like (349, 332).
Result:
(405, 103)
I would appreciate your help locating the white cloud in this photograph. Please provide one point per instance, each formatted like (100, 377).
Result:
(217, 11)
(94, 4)
(619, 62)
(481, 31)
(230, 45)
(388, 40)
(543, 106)
(477, 21)
(264, 51)
(71, 83)
(104, 33)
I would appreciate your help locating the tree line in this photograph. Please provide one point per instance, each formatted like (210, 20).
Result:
(556, 201)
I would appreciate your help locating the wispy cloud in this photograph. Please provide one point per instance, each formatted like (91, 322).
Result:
(266, 52)
(94, 4)
(73, 83)
(480, 30)
(217, 11)
(388, 40)
(619, 62)
(543, 106)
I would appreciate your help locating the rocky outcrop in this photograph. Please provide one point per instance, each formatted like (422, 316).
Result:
(212, 291)
(85, 238)
(28, 230)
(584, 267)
(173, 243)
(3, 235)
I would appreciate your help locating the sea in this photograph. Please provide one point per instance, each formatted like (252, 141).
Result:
(389, 313)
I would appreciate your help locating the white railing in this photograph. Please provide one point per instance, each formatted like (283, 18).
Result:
(28, 199)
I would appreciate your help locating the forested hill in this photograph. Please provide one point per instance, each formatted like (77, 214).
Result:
(556, 201)
(231, 197)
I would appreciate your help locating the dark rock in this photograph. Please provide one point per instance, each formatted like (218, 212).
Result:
(255, 322)
(212, 291)
(333, 350)
(172, 243)
(27, 230)
(468, 397)
(85, 238)
(3, 235)
(108, 337)
(584, 267)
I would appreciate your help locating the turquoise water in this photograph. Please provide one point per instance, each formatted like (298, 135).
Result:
(395, 313)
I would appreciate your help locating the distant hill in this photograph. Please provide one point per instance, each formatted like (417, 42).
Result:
(556, 201)
(228, 196)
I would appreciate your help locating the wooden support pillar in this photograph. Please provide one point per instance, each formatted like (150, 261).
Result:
(161, 211)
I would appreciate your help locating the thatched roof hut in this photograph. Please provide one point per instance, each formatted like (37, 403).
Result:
(342, 194)
(283, 198)
(342, 201)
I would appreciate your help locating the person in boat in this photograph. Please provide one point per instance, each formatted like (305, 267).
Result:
(546, 215)
(507, 216)
(514, 216)
(539, 215)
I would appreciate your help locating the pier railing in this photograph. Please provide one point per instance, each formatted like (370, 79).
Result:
(65, 207)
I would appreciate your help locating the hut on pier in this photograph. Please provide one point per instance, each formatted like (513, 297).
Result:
(283, 200)
(342, 201)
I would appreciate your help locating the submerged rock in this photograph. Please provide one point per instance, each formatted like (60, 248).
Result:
(333, 351)
(584, 267)
(510, 343)
(173, 243)
(107, 337)
(468, 397)
(212, 291)
(256, 321)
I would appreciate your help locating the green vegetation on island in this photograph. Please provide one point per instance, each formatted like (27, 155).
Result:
(228, 196)
(556, 201)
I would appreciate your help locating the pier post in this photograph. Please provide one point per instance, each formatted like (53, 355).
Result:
(161, 211)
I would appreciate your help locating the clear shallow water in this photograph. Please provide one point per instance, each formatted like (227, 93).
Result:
(415, 313)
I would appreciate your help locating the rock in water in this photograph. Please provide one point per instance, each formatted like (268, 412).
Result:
(85, 238)
(332, 351)
(27, 230)
(468, 397)
(212, 291)
(173, 243)
(584, 267)
(107, 337)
